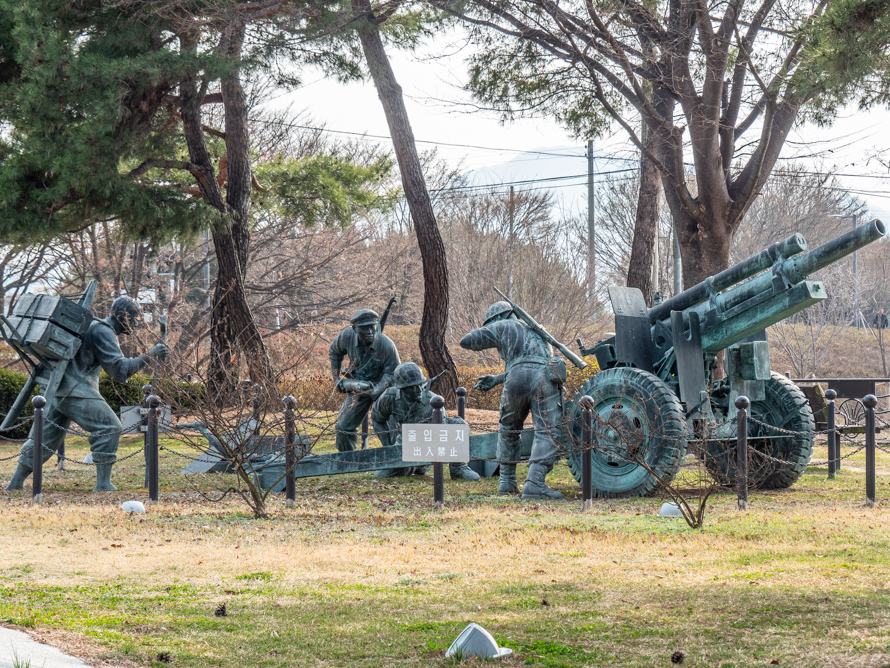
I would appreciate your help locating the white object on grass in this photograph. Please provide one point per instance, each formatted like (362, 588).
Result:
(670, 510)
(476, 641)
(133, 506)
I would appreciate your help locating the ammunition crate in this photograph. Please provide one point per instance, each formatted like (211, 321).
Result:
(57, 310)
(45, 337)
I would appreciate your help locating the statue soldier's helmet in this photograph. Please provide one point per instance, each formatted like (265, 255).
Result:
(407, 374)
(364, 317)
(127, 312)
(496, 309)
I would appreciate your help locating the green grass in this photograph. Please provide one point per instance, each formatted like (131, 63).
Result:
(364, 573)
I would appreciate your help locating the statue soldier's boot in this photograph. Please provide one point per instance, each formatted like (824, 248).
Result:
(103, 478)
(18, 478)
(507, 485)
(535, 487)
(462, 472)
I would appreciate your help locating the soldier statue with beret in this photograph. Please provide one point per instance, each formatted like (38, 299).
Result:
(372, 360)
(408, 402)
(78, 398)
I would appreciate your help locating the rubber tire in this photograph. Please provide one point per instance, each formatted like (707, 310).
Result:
(787, 407)
(656, 406)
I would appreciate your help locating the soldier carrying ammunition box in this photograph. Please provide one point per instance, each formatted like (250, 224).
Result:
(372, 360)
(77, 398)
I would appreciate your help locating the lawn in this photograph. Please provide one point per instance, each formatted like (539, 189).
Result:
(364, 573)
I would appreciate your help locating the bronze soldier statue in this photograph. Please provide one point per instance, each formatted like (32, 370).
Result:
(372, 360)
(408, 402)
(78, 398)
(532, 383)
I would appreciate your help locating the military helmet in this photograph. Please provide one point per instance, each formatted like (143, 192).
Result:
(496, 309)
(407, 374)
(365, 317)
(127, 312)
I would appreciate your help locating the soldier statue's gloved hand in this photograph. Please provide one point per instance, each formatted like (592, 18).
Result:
(486, 383)
(159, 352)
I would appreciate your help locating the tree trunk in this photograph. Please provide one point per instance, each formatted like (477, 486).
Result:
(642, 254)
(436, 357)
(231, 321)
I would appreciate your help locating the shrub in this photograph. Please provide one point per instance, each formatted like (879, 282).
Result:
(11, 383)
(122, 394)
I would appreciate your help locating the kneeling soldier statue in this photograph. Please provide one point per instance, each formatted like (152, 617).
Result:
(372, 360)
(78, 398)
(408, 402)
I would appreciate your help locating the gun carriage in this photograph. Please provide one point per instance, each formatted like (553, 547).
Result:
(653, 398)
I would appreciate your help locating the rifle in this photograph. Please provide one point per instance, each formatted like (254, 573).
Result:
(543, 333)
(163, 322)
(385, 316)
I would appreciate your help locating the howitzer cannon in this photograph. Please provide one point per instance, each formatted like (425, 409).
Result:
(653, 396)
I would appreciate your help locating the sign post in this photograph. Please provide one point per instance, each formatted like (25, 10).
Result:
(436, 443)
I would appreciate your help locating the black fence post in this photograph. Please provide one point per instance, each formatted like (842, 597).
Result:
(60, 457)
(742, 403)
(256, 409)
(151, 436)
(143, 425)
(586, 404)
(438, 403)
(461, 393)
(870, 401)
(37, 450)
(290, 461)
(830, 396)
(365, 432)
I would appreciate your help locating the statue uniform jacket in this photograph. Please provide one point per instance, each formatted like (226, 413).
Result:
(515, 342)
(392, 410)
(99, 350)
(374, 364)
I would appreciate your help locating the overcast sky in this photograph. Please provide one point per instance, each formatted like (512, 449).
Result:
(442, 114)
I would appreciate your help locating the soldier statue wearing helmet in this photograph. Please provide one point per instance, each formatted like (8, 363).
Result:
(532, 383)
(372, 360)
(408, 401)
(78, 399)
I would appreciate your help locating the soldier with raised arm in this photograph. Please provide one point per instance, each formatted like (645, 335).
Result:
(408, 402)
(78, 398)
(372, 360)
(532, 383)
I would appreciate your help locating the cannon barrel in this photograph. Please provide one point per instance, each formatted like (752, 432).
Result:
(798, 268)
(728, 277)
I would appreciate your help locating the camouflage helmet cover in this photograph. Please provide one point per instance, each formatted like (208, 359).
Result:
(364, 317)
(407, 374)
(127, 312)
(496, 309)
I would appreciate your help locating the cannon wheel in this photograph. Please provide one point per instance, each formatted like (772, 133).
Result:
(785, 407)
(852, 413)
(636, 415)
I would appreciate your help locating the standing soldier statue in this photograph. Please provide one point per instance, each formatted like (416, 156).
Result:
(532, 383)
(408, 401)
(78, 399)
(372, 360)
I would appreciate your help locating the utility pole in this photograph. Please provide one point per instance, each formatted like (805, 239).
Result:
(856, 315)
(510, 249)
(859, 322)
(591, 232)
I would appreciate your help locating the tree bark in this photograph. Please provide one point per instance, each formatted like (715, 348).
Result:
(232, 322)
(433, 349)
(642, 253)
